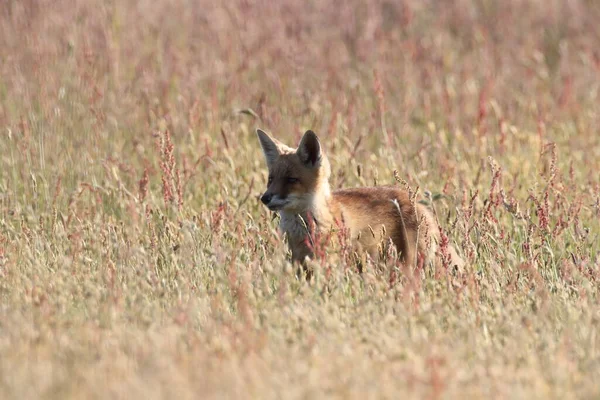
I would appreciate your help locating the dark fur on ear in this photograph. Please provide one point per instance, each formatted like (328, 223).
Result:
(269, 147)
(309, 149)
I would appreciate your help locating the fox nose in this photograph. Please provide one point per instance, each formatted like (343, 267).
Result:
(266, 198)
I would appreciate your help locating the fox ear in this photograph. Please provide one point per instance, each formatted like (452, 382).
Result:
(309, 149)
(269, 147)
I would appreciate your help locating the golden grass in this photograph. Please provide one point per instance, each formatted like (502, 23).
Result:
(137, 262)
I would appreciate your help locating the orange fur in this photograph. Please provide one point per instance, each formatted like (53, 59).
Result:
(299, 190)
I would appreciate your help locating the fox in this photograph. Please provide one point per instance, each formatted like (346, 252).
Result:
(298, 188)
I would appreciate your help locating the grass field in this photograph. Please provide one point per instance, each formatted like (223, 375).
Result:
(136, 260)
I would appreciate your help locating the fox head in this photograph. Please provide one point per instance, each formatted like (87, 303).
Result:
(296, 176)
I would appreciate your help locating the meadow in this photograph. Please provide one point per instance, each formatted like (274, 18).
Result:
(136, 260)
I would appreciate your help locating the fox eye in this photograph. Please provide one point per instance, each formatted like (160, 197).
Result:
(293, 180)
(270, 180)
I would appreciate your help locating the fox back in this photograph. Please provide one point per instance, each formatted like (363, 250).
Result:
(298, 189)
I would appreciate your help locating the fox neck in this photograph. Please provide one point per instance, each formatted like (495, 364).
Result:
(317, 211)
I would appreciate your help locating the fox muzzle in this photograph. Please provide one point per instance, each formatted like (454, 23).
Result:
(266, 198)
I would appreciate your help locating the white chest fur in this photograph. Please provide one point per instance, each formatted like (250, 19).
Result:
(293, 226)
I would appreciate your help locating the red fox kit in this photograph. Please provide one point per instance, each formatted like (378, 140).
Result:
(298, 188)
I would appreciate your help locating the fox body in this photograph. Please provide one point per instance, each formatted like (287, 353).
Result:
(298, 188)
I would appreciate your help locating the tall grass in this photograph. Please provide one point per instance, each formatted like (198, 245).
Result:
(136, 260)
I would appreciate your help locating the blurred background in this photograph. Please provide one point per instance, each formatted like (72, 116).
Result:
(111, 71)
